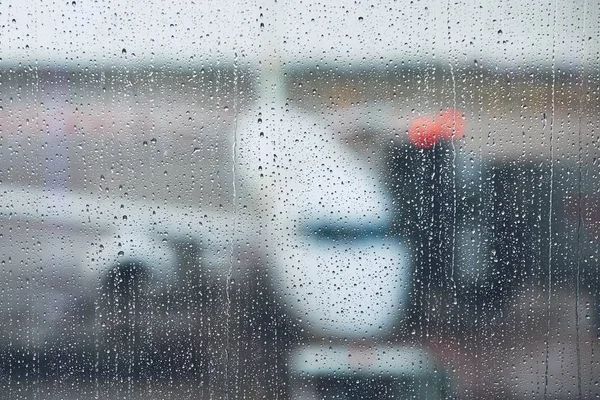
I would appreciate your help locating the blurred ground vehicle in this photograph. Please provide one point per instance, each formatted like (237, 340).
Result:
(366, 371)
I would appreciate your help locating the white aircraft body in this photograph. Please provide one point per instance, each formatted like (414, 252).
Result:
(327, 219)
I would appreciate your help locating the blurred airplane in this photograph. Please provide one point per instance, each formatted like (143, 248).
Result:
(317, 213)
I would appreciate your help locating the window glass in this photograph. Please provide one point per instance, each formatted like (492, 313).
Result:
(299, 200)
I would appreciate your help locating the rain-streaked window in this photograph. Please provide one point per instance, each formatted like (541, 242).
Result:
(299, 200)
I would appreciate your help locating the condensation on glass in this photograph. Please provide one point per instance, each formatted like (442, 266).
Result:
(299, 200)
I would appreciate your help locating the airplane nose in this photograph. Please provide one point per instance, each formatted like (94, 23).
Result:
(346, 288)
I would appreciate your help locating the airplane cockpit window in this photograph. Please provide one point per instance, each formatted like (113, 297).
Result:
(343, 232)
(227, 199)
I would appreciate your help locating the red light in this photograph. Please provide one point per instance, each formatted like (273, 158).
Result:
(424, 133)
(452, 124)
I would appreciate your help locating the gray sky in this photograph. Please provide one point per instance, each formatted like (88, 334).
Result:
(495, 33)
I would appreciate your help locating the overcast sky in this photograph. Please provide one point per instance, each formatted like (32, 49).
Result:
(495, 33)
